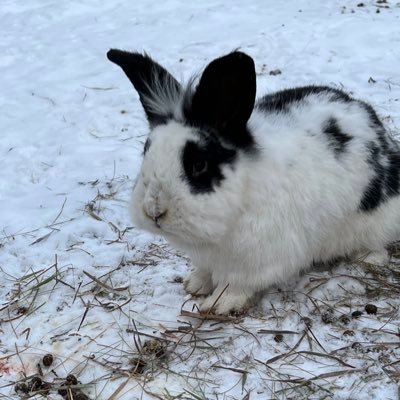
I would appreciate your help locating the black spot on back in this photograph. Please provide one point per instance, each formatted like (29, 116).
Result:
(374, 194)
(337, 139)
(386, 181)
(393, 174)
(281, 101)
(209, 151)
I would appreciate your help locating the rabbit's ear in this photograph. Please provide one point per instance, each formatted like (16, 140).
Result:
(159, 91)
(224, 98)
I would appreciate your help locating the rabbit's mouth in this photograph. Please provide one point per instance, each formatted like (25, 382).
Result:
(153, 224)
(158, 219)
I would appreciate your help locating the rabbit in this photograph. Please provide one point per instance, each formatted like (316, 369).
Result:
(256, 191)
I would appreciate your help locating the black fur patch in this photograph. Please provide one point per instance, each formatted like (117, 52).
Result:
(337, 139)
(283, 100)
(374, 194)
(386, 182)
(223, 101)
(210, 153)
(147, 145)
(375, 121)
(384, 159)
(238, 136)
(147, 76)
(393, 174)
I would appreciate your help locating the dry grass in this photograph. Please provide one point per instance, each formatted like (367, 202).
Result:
(310, 340)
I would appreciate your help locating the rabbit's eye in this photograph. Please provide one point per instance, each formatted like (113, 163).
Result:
(199, 167)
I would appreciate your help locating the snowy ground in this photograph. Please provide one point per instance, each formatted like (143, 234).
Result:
(77, 281)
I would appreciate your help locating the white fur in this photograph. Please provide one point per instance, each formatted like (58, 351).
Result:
(199, 283)
(276, 212)
(164, 97)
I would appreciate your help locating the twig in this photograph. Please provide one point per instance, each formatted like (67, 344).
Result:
(209, 317)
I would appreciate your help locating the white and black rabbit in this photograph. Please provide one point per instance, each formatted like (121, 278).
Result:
(256, 191)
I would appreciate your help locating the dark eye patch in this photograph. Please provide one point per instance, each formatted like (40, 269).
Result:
(202, 164)
(200, 167)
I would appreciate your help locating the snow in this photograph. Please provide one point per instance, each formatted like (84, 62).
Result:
(72, 132)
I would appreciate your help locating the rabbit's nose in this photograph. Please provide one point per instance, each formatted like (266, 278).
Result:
(155, 204)
(156, 216)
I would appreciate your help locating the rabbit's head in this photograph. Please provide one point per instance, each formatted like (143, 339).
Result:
(191, 184)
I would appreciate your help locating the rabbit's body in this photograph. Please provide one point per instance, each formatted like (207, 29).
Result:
(308, 175)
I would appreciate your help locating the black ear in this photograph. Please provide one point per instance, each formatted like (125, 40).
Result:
(159, 91)
(224, 98)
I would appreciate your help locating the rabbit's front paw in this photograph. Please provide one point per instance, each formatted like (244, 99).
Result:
(230, 302)
(198, 283)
